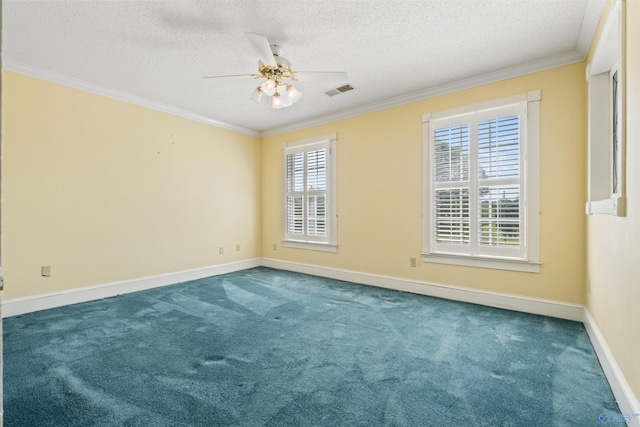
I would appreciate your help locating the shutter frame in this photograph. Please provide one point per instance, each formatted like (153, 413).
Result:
(317, 194)
(505, 173)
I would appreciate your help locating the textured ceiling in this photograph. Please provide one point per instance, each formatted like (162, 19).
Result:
(392, 50)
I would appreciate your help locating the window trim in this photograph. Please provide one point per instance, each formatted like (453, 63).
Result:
(530, 177)
(608, 57)
(330, 243)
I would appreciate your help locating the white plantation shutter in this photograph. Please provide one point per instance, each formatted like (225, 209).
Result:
(452, 153)
(317, 169)
(452, 216)
(295, 215)
(499, 216)
(477, 184)
(306, 177)
(499, 162)
(499, 147)
(309, 192)
(316, 192)
(451, 170)
(295, 194)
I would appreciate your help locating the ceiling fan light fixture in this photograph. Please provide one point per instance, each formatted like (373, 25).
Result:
(286, 100)
(268, 87)
(257, 95)
(293, 94)
(276, 102)
(267, 94)
(276, 71)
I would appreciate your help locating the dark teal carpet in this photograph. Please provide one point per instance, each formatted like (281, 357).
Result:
(265, 347)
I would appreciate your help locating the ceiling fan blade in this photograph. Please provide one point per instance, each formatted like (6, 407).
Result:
(230, 76)
(305, 76)
(263, 49)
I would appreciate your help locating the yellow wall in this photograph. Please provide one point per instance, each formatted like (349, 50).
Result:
(102, 190)
(614, 242)
(380, 191)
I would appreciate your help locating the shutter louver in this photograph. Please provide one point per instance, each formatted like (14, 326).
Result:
(499, 160)
(451, 205)
(295, 215)
(499, 148)
(317, 170)
(295, 200)
(452, 153)
(316, 187)
(295, 172)
(452, 216)
(316, 222)
(499, 220)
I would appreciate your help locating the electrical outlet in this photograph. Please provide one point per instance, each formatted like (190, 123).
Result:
(413, 262)
(237, 247)
(221, 251)
(275, 247)
(45, 271)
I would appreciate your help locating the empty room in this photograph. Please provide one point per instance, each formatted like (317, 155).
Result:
(322, 213)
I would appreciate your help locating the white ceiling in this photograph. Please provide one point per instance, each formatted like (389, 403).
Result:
(155, 52)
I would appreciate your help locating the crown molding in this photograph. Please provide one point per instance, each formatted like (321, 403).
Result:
(492, 77)
(589, 24)
(506, 73)
(53, 77)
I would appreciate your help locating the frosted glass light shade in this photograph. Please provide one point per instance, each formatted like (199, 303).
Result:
(257, 95)
(268, 87)
(267, 94)
(294, 94)
(276, 102)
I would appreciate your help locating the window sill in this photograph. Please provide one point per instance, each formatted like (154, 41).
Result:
(483, 262)
(312, 246)
(613, 206)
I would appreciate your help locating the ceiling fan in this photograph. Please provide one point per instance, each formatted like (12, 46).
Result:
(276, 92)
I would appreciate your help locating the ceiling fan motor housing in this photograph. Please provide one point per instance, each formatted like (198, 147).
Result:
(282, 71)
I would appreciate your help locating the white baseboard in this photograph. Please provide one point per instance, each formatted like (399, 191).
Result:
(15, 306)
(540, 306)
(625, 397)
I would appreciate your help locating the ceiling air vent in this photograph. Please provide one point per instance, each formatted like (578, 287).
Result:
(339, 90)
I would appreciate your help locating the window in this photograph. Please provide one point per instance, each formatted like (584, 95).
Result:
(481, 185)
(310, 195)
(606, 120)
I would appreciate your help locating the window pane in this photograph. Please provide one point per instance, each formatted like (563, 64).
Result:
(295, 172)
(499, 213)
(616, 139)
(499, 148)
(295, 215)
(451, 151)
(452, 216)
(317, 170)
(316, 216)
